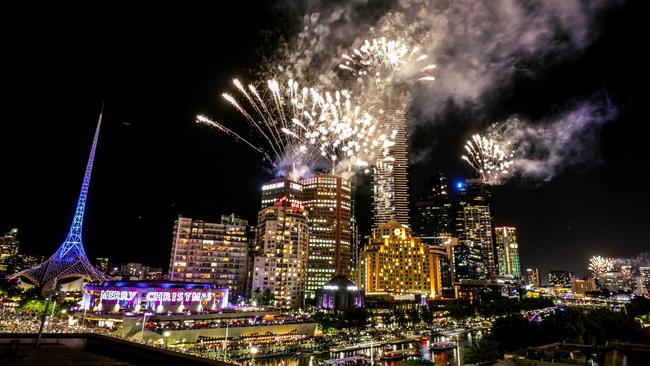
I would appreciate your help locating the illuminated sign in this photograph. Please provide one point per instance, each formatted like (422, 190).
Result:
(277, 185)
(117, 295)
(166, 296)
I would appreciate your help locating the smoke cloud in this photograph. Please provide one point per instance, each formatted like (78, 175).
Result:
(543, 149)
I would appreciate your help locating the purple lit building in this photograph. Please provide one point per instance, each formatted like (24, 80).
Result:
(159, 297)
(339, 294)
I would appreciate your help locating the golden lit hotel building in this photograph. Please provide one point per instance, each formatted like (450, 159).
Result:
(398, 263)
(328, 202)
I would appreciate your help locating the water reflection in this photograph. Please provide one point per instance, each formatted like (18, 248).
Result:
(448, 357)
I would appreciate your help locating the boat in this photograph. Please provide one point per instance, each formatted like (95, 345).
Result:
(345, 361)
(399, 354)
(441, 346)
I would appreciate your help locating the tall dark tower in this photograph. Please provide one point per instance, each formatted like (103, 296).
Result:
(70, 260)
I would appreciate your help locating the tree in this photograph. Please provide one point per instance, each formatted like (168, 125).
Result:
(482, 351)
(638, 306)
(257, 296)
(267, 297)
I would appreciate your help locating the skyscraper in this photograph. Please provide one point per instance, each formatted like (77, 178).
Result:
(9, 246)
(103, 264)
(532, 277)
(466, 261)
(433, 214)
(328, 202)
(398, 263)
(390, 176)
(283, 238)
(474, 221)
(507, 251)
(211, 252)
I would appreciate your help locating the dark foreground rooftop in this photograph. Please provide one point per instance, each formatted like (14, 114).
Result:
(88, 350)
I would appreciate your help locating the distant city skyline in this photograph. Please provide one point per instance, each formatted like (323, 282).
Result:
(154, 163)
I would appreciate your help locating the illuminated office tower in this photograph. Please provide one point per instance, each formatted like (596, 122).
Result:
(398, 263)
(9, 245)
(328, 202)
(283, 238)
(507, 251)
(281, 189)
(474, 221)
(390, 176)
(211, 252)
(103, 264)
(532, 277)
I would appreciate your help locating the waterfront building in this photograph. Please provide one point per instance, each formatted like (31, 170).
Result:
(398, 263)
(283, 238)
(328, 202)
(211, 252)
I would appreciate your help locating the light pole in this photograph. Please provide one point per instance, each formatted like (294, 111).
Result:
(253, 353)
(225, 342)
(144, 319)
(47, 304)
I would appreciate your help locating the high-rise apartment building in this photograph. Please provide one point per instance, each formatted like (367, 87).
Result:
(390, 176)
(398, 263)
(474, 221)
(283, 238)
(9, 245)
(211, 252)
(507, 251)
(532, 277)
(328, 202)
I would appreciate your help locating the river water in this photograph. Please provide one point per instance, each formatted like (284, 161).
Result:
(440, 358)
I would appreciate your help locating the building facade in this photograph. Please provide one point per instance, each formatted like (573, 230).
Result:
(532, 277)
(9, 246)
(398, 263)
(390, 176)
(211, 252)
(560, 278)
(433, 214)
(283, 238)
(328, 203)
(474, 222)
(507, 251)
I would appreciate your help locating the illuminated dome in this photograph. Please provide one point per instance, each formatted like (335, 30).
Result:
(339, 293)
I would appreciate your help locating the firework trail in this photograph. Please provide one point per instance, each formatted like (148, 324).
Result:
(489, 158)
(388, 61)
(600, 265)
(301, 128)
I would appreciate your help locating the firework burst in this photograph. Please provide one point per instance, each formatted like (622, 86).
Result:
(489, 158)
(302, 128)
(600, 265)
(388, 61)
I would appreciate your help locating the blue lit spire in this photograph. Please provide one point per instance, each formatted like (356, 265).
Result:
(70, 260)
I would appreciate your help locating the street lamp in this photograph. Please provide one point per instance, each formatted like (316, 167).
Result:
(144, 319)
(253, 353)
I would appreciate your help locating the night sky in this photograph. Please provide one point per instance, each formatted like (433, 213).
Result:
(157, 68)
